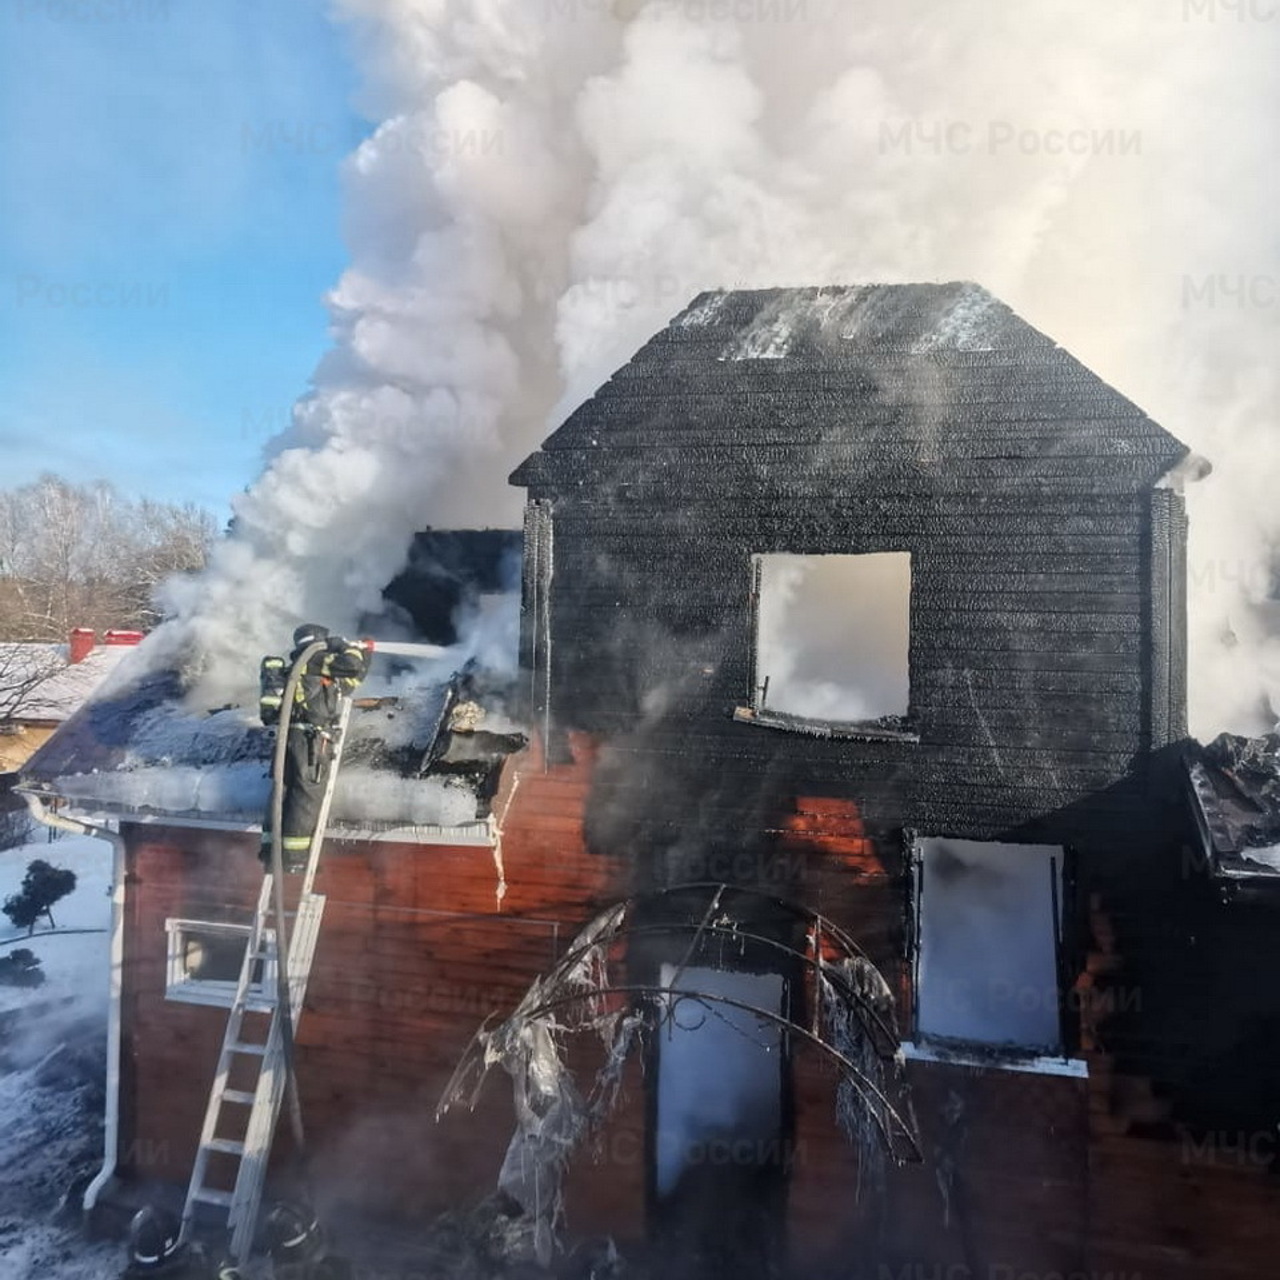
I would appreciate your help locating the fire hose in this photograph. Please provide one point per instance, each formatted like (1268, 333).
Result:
(283, 996)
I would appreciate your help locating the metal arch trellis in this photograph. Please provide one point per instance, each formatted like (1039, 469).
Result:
(852, 1019)
(866, 1088)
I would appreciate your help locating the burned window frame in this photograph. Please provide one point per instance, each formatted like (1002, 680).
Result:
(892, 728)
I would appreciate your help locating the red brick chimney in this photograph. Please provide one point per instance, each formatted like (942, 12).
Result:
(82, 641)
(122, 637)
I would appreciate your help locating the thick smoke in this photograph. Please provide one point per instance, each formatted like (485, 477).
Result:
(553, 179)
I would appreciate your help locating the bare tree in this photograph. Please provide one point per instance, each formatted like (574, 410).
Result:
(85, 555)
(167, 539)
(23, 669)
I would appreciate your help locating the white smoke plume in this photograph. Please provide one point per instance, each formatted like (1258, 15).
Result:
(553, 179)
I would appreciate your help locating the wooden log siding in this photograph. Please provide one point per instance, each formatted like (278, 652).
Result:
(415, 952)
(1019, 482)
(1030, 643)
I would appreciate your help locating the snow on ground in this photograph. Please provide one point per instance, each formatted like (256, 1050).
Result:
(52, 1048)
(74, 963)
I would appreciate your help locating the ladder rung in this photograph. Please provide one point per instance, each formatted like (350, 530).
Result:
(302, 923)
(209, 1196)
(228, 1146)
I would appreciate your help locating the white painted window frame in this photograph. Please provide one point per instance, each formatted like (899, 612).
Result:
(218, 993)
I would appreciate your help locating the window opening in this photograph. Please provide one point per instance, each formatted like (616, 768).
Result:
(719, 1074)
(989, 942)
(832, 637)
(204, 961)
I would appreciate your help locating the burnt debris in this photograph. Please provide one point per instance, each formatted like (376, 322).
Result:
(447, 572)
(1234, 790)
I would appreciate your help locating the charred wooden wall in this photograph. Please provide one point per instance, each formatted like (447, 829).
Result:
(1046, 636)
(1047, 662)
(1031, 656)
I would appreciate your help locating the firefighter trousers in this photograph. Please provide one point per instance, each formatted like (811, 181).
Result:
(308, 759)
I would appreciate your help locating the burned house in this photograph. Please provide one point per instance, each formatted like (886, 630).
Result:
(874, 598)
(853, 820)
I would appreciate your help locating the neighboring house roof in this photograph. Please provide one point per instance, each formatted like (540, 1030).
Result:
(906, 388)
(137, 753)
(65, 691)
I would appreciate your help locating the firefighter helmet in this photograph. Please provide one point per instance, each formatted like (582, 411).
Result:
(309, 633)
(153, 1237)
(292, 1232)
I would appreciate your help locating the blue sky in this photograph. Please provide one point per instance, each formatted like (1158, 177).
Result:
(170, 218)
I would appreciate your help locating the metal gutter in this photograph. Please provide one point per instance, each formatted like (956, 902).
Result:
(111, 1119)
(94, 812)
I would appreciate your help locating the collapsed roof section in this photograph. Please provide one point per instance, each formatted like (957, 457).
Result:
(914, 388)
(422, 762)
(447, 575)
(424, 748)
(1234, 788)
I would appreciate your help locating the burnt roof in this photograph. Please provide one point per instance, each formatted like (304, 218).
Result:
(1234, 790)
(907, 388)
(136, 750)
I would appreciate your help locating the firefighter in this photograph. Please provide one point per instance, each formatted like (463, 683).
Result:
(297, 1246)
(156, 1252)
(333, 671)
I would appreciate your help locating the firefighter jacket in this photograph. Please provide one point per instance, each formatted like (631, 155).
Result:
(335, 670)
(330, 673)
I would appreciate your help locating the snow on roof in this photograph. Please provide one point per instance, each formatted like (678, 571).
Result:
(70, 684)
(959, 317)
(1268, 857)
(138, 751)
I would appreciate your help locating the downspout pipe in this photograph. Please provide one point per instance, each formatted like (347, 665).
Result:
(111, 1118)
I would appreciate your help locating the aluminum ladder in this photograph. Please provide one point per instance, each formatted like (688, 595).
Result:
(265, 1058)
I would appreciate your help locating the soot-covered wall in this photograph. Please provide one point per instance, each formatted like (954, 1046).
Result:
(1046, 639)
